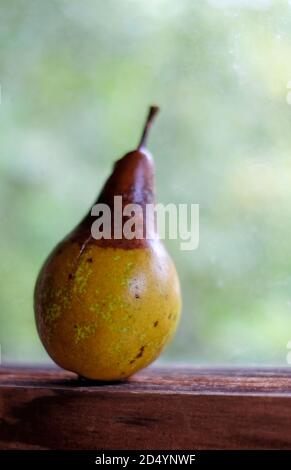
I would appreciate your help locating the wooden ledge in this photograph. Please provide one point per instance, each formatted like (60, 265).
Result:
(158, 408)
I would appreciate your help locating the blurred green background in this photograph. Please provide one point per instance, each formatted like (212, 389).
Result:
(76, 79)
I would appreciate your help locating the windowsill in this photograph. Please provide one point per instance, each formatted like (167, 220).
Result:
(158, 408)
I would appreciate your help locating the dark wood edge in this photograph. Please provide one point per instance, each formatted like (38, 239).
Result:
(158, 408)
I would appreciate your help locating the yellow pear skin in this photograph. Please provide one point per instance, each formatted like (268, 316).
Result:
(106, 308)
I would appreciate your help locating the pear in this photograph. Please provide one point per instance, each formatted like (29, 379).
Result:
(106, 307)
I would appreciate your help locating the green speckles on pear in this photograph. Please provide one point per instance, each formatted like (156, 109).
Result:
(81, 278)
(96, 308)
(110, 306)
(124, 329)
(127, 316)
(128, 265)
(126, 279)
(106, 315)
(52, 313)
(66, 302)
(57, 300)
(116, 348)
(125, 282)
(102, 311)
(84, 331)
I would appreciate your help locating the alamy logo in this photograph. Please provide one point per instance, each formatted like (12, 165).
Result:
(133, 221)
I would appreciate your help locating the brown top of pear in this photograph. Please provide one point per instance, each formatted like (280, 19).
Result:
(133, 179)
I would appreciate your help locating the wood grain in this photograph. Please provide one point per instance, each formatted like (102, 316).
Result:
(158, 408)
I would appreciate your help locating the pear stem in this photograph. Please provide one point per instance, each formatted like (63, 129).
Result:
(150, 118)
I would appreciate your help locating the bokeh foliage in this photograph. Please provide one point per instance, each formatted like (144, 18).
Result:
(76, 79)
